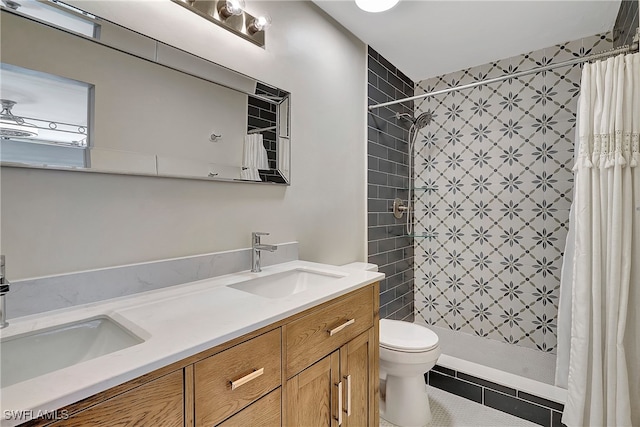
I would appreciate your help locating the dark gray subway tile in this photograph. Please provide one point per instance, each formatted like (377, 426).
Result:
(373, 163)
(378, 178)
(388, 269)
(388, 193)
(376, 233)
(386, 297)
(372, 134)
(377, 150)
(394, 281)
(387, 140)
(444, 370)
(377, 205)
(372, 78)
(403, 288)
(386, 88)
(372, 247)
(377, 68)
(396, 255)
(517, 407)
(388, 65)
(386, 245)
(395, 305)
(386, 166)
(372, 219)
(556, 419)
(541, 401)
(453, 385)
(372, 192)
(377, 95)
(398, 181)
(487, 384)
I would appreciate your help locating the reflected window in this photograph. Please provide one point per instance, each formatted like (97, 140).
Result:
(45, 118)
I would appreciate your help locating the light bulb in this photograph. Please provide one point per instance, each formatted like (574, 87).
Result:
(232, 8)
(260, 23)
(376, 5)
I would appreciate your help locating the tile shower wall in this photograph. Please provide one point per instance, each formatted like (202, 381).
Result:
(495, 171)
(261, 115)
(388, 244)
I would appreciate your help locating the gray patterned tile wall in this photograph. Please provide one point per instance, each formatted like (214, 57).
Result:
(626, 23)
(388, 245)
(495, 167)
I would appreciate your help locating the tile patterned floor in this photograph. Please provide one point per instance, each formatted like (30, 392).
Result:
(449, 410)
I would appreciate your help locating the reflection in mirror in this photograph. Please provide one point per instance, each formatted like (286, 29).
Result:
(153, 110)
(54, 114)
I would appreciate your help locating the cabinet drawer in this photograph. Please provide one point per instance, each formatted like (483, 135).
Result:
(227, 382)
(264, 413)
(322, 331)
(159, 402)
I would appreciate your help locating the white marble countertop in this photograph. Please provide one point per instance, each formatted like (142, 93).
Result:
(175, 323)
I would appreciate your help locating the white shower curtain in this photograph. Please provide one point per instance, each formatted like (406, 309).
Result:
(604, 366)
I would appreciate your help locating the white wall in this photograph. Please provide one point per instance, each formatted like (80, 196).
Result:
(55, 222)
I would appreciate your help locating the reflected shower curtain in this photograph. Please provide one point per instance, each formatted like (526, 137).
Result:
(604, 356)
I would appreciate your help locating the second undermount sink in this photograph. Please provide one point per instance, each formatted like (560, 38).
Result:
(287, 283)
(36, 353)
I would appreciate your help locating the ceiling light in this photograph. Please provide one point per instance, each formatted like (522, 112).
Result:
(260, 23)
(231, 8)
(12, 126)
(376, 5)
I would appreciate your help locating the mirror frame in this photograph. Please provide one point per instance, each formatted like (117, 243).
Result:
(271, 176)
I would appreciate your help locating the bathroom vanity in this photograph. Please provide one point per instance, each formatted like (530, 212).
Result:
(311, 360)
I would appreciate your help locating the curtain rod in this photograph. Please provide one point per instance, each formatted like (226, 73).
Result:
(596, 56)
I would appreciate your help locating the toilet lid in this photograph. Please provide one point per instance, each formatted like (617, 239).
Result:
(405, 336)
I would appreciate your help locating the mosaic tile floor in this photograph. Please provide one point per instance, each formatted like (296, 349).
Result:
(449, 410)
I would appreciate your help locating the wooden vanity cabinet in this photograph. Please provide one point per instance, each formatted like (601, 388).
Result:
(156, 403)
(332, 363)
(315, 368)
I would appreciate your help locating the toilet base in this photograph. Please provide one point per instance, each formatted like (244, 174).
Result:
(406, 402)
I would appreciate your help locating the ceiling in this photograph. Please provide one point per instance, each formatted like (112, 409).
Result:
(429, 38)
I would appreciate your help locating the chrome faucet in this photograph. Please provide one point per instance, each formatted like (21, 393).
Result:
(256, 248)
(4, 289)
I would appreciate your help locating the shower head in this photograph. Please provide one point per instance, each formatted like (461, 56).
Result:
(419, 122)
(423, 119)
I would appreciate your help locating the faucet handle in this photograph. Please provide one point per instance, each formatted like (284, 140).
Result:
(259, 233)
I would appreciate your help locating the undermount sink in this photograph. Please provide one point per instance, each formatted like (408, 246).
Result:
(287, 283)
(36, 353)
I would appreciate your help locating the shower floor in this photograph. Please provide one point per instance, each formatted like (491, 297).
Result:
(522, 361)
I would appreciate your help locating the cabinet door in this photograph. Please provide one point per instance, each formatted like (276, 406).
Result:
(156, 403)
(359, 378)
(312, 395)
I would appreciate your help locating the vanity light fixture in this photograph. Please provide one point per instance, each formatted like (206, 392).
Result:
(13, 126)
(375, 6)
(230, 15)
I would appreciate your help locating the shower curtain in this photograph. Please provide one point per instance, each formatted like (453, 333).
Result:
(604, 351)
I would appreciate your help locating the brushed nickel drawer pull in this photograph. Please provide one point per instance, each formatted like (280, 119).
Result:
(241, 381)
(340, 403)
(337, 329)
(348, 378)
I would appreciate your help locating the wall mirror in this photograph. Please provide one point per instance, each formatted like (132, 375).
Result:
(82, 93)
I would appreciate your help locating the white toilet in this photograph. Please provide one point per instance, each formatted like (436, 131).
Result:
(407, 351)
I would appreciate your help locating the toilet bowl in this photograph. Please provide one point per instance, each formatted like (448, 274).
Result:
(407, 351)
